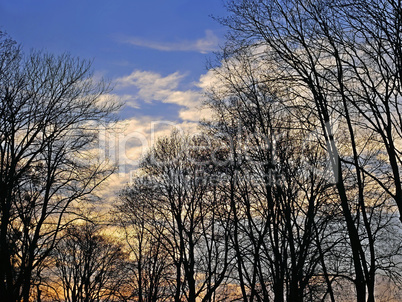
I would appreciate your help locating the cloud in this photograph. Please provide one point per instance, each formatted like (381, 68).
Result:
(130, 139)
(126, 99)
(151, 87)
(126, 142)
(204, 45)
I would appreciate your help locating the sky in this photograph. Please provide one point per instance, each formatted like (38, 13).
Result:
(154, 52)
(134, 44)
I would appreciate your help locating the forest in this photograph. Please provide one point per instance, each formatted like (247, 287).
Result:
(291, 190)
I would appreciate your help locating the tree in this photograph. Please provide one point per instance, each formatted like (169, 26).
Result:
(277, 189)
(338, 63)
(49, 110)
(176, 199)
(88, 266)
(152, 270)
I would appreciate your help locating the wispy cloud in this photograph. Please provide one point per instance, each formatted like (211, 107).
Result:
(126, 99)
(203, 45)
(151, 86)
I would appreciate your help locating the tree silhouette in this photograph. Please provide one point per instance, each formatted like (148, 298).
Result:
(88, 266)
(49, 109)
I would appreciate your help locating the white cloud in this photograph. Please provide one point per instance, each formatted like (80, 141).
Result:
(208, 80)
(204, 45)
(127, 141)
(145, 79)
(126, 99)
(151, 86)
(195, 114)
(130, 139)
(129, 100)
(188, 98)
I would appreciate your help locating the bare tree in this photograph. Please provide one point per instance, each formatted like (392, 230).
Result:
(49, 110)
(338, 61)
(183, 214)
(276, 186)
(88, 267)
(152, 269)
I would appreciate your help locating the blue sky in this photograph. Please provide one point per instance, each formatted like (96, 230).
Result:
(162, 37)
(153, 51)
